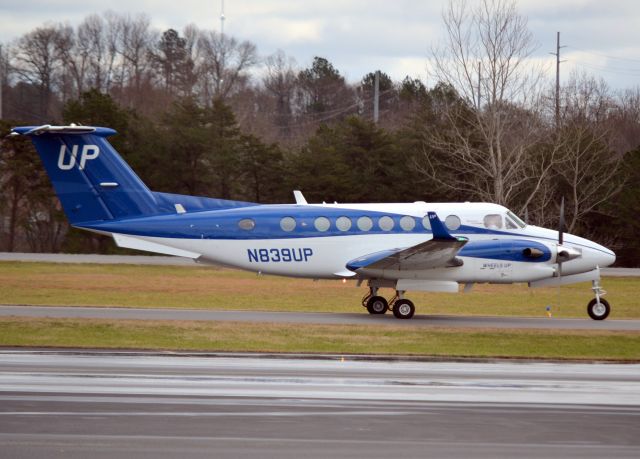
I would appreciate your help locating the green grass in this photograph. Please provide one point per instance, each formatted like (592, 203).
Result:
(213, 288)
(335, 339)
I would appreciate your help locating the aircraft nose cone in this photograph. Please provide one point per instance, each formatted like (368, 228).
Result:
(606, 257)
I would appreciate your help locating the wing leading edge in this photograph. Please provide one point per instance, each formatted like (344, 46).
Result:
(438, 252)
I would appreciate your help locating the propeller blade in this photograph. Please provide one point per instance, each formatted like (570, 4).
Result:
(560, 240)
(561, 223)
(559, 271)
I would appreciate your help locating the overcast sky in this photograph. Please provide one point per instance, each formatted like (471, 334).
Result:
(358, 36)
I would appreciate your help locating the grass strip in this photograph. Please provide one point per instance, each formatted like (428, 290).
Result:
(336, 339)
(200, 287)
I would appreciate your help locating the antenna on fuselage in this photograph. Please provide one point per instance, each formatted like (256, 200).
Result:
(300, 200)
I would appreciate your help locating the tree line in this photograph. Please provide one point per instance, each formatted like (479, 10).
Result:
(203, 113)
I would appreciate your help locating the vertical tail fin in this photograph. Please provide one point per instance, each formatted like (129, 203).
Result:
(91, 179)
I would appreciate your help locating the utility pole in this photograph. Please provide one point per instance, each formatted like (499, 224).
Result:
(558, 61)
(376, 96)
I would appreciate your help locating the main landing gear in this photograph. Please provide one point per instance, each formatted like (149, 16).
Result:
(402, 308)
(598, 308)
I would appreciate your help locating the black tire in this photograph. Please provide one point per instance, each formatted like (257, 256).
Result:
(377, 305)
(404, 309)
(596, 312)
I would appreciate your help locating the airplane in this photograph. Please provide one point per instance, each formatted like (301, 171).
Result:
(415, 246)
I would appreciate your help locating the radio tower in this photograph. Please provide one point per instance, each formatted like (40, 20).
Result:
(220, 75)
(221, 17)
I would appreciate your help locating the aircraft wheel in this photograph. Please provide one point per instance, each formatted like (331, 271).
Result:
(403, 309)
(377, 305)
(598, 311)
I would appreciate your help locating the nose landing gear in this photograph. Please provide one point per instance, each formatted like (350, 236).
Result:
(598, 308)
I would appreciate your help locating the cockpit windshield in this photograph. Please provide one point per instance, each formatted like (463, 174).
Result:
(517, 220)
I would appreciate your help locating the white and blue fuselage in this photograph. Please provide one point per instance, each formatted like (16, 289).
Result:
(319, 241)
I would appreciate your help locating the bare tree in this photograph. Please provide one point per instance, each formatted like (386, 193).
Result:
(223, 64)
(626, 120)
(280, 82)
(133, 39)
(590, 165)
(36, 60)
(92, 36)
(75, 62)
(492, 128)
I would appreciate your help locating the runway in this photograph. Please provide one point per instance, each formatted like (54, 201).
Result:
(105, 404)
(317, 318)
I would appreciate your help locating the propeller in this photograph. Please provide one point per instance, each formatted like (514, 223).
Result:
(561, 223)
(559, 256)
(560, 238)
(564, 253)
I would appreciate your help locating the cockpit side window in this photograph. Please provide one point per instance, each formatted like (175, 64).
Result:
(518, 221)
(493, 221)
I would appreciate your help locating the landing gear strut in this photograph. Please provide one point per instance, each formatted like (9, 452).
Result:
(598, 308)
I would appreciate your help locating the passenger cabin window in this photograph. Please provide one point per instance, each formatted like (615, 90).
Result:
(322, 224)
(385, 223)
(493, 221)
(426, 223)
(407, 223)
(365, 223)
(343, 223)
(246, 224)
(452, 222)
(288, 224)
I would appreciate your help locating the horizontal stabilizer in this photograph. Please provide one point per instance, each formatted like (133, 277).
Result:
(47, 128)
(131, 242)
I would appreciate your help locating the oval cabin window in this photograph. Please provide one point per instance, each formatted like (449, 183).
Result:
(288, 224)
(365, 223)
(452, 222)
(343, 223)
(322, 224)
(407, 223)
(385, 223)
(246, 224)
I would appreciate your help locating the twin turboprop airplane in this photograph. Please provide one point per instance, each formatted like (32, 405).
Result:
(415, 246)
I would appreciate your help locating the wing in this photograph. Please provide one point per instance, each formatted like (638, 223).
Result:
(438, 252)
